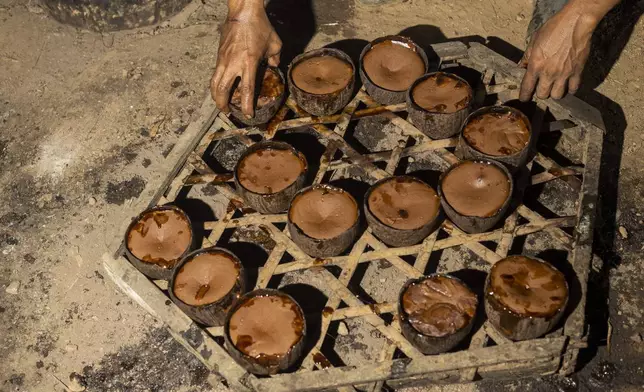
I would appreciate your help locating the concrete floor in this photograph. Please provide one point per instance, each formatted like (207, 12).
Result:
(87, 119)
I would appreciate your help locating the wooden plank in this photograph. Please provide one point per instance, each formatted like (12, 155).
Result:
(448, 51)
(581, 255)
(400, 368)
(569, 106)
(183, 329)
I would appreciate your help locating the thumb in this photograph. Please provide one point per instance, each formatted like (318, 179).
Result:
(274, 50)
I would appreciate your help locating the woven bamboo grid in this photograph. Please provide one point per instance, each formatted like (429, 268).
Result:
(556, 351)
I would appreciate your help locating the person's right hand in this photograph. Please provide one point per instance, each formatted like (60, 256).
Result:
(247, 37)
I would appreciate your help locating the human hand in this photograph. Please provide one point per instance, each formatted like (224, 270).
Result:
(557, 53)
(247, 37)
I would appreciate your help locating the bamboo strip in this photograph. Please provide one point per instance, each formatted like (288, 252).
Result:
(351, 153)
(469, 240)
(198, 164)
(225, 121)
(409, 151)
(564, 238)
(334, 300)
(509, 227)
(389, 331)
(274, 125)
(364, 310)
(479, 340)
(331, 148)
(341, 126)
(392, 163)
(495, 335)
(220, 225)
(425, 252)
(396, 261)
(248, 220)
(409, 130)
(480, 250)
(266, 273)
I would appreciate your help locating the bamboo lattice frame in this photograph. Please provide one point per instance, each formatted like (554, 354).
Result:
(555, 352)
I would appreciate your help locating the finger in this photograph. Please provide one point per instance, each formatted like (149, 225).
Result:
(222, 93)
(527, 84)
(274, 51)
(559, 88)
(248, 88)
(523, 63)
(573, 83)
(274, 61)
(544, 87)
(214, 81)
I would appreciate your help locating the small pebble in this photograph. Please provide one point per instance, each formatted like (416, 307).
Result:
(92, 201)
(623, 232)
(71, 347)
(76, 383)
(13, 288)
(342, 329)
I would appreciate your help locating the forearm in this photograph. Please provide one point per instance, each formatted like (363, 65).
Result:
(239, 10)
(592, 11)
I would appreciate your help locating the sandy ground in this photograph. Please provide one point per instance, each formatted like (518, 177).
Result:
(87, 119)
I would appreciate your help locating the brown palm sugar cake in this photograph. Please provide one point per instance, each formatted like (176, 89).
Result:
(439, 305)
(206, 278)
(269, 170)
(266, 326)
(323, 213)
(527, 286)
(442, 93)
(497, 134)
(322, 74)
(404, 203)
(271, 89)
(476, 189)
(160, 237)
(393, 65)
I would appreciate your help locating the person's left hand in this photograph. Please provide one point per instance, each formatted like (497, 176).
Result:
(556, 55)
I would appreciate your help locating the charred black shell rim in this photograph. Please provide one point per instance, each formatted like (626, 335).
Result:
(266, 112)
(153, 270)
(394, 178)
(189, 257)
(404, 317)
(337, 53)
(408, 41)
(486, 161)
(498, 109)
(323, 186)
(253, 364)
(412, 101)
(500, 307)
(270, 145)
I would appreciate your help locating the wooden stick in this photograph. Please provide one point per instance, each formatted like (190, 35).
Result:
(399, 368)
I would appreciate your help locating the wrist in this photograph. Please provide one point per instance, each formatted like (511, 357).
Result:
(590, 12)
(241, 8)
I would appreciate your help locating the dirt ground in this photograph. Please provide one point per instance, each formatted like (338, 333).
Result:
(87, 119)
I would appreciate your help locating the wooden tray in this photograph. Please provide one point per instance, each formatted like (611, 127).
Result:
(555, 221)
